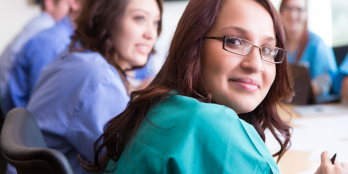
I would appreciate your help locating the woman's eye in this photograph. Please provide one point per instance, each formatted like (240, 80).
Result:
(266, 51)
(234, 41)
(139, 18)
(157, 23)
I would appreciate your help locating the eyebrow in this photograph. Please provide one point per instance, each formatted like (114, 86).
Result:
(245, 32)
(134, 10)
(141, 10)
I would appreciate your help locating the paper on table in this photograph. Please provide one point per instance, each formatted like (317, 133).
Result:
(303, 139)
(312, 132)
(335, 147)
(317, 110)
(332, 121)
(310, 171)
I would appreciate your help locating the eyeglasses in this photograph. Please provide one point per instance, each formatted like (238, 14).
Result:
(298, 10)
(240, 46)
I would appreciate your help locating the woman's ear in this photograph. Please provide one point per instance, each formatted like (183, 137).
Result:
(49, 6)
(75, 5)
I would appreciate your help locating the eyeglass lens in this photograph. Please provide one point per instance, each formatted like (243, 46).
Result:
(243, 47)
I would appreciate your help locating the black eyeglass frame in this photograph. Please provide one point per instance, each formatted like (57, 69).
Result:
(223, 39)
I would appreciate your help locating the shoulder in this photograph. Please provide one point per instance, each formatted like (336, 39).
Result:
(318, 47)
(43, 20)
(315, 39)
(57, 34)
(48, 35)
(194, 113)
(42, 41)
(88, 65)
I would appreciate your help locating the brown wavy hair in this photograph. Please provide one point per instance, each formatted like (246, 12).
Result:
(182, 72)
(305, 35)
(96, 26)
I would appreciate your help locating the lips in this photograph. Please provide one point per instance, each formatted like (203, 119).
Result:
(247, 81)
(247, 84)
(143, 48)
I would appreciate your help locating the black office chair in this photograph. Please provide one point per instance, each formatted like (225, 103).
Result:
(23, 146)
(340, 53)
(3, 163)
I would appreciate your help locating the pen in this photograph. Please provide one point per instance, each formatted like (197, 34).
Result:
(333, 158)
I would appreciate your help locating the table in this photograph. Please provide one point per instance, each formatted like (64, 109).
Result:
(294, 161)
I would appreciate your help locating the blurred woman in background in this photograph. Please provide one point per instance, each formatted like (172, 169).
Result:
(307, 48)
(86, 85)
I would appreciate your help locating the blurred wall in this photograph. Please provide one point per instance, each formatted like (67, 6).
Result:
(14, 14)
(339, 22)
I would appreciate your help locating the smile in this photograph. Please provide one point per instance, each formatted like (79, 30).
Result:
(246, 84)
(143, 49)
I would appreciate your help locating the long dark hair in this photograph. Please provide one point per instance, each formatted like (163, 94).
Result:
(182, 72)
(305, 35)
(96, 26)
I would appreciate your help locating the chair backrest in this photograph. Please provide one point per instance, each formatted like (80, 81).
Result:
(3, 163)
(23, 146)
(340, 53)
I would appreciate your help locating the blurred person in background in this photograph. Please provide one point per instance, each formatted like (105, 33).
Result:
(86, 85)
(341, 81)
(52, 12)
(307, 48)
(35, 55)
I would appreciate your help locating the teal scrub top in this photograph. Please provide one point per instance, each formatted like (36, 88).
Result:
(183, 135)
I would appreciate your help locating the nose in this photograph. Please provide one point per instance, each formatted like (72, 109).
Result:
(294, 14)
(253, 62)
(150, 31)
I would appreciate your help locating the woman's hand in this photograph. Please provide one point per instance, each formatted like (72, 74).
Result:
(326, 167)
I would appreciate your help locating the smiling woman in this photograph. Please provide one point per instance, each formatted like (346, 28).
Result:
(86, 85)
(125, 35)
(207, 109)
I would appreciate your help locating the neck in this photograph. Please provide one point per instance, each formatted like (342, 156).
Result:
(73, 15)
(51, 14)
(123, 64)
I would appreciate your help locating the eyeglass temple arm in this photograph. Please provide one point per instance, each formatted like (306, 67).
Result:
(217, 38)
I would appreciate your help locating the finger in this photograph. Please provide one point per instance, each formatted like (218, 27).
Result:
(338, 166)
(317, 172)
(344, 166)
(325, 158)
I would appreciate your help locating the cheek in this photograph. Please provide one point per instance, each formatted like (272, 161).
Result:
(125, 40)
(286, 17)
(63, 9)
(303, 19)
(268, 77)
(213, 66)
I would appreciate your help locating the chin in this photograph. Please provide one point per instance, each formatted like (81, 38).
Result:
(140, 61)
(243, 108)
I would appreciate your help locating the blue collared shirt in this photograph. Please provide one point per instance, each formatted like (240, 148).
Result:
(35, 55)
(7, 58)
(147, 71)
(319, 57)
(342, 72)
(320, 60)
(76, 95)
